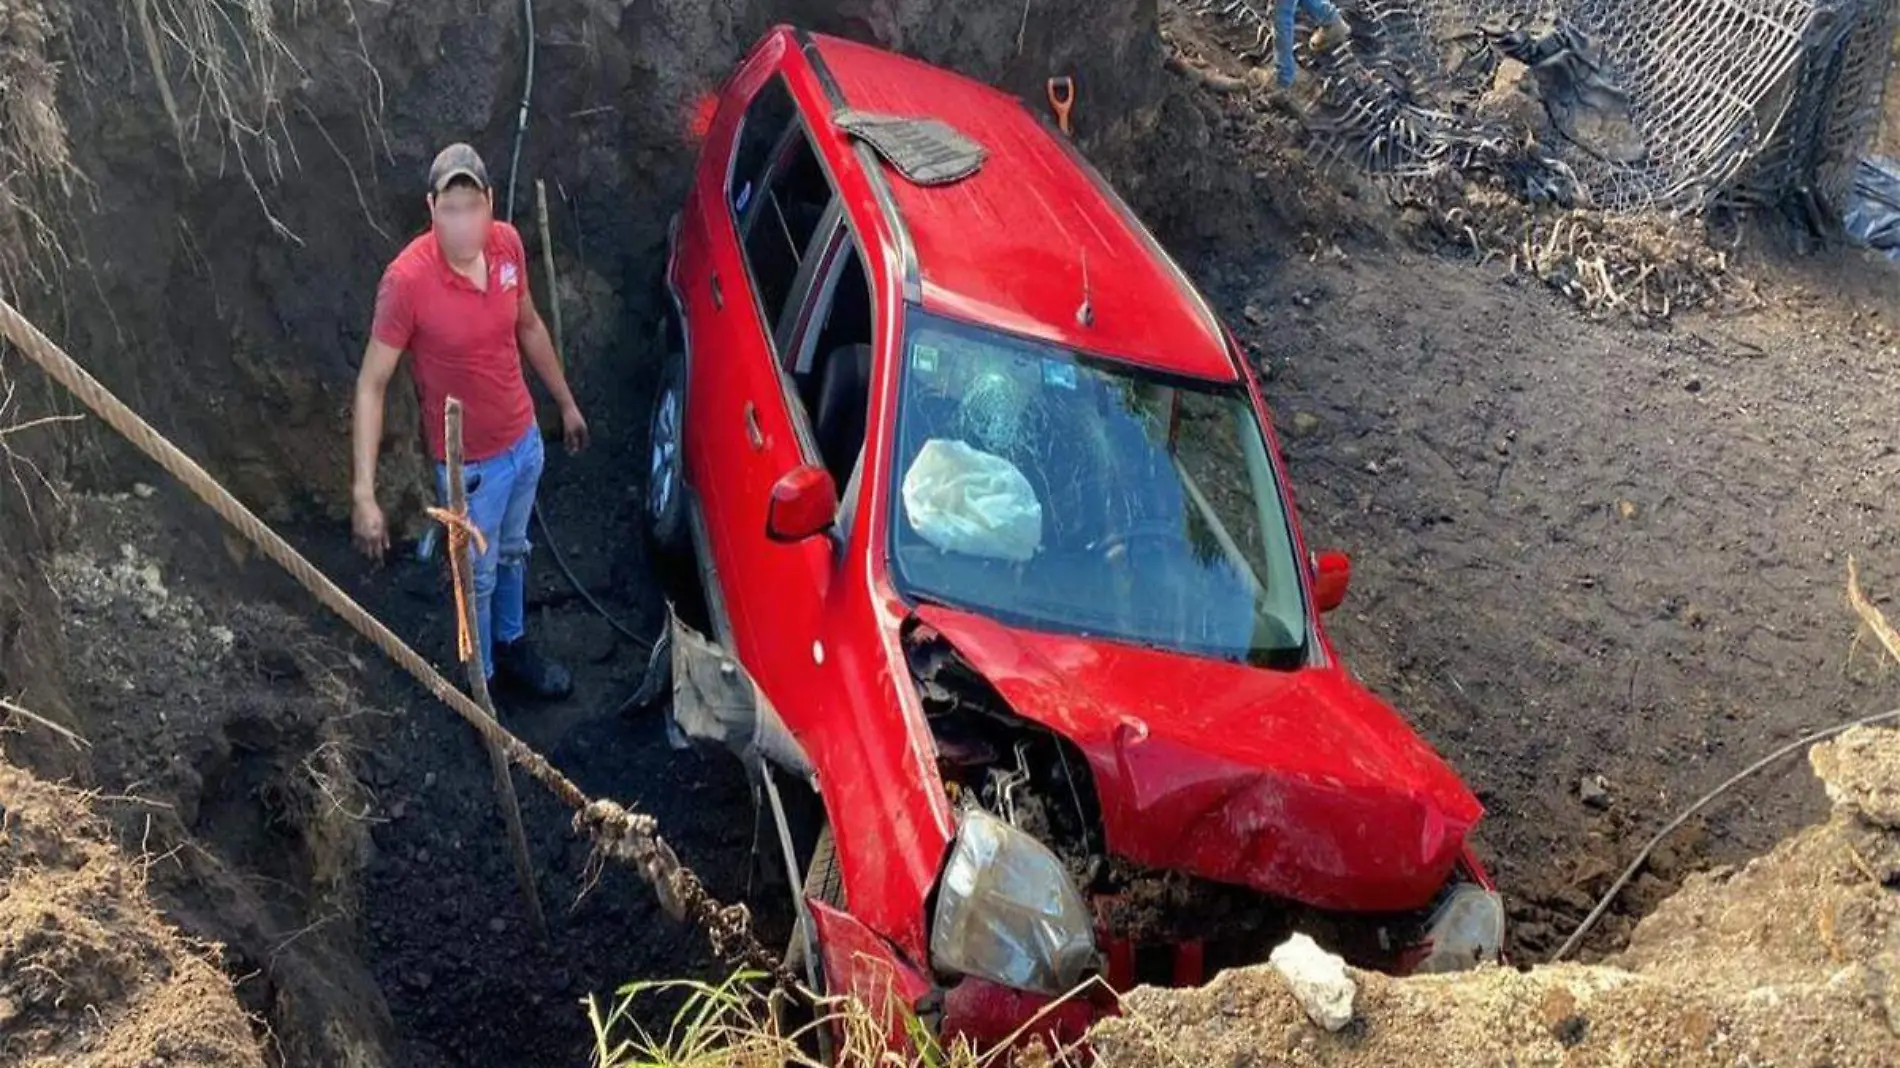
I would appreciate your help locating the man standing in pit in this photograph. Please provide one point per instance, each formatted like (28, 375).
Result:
(457, 300)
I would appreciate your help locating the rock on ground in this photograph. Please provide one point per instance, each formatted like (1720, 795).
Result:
(1317, 979)
(1790, 960)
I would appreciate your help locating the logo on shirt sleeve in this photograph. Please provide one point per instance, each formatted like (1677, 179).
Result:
(510, 277)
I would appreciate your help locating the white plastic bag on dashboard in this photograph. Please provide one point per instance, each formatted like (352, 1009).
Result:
(964, 500)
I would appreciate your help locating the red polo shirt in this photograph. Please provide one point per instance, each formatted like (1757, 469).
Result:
(462, 339)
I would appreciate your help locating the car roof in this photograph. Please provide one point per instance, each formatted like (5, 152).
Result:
(1022, 242)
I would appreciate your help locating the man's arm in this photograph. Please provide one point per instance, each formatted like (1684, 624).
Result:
(536, 344)
(366, 435)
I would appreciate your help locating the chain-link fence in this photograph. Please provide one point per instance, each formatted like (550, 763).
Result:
(1651, 104)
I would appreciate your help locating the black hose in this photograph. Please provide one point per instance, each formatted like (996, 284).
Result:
(514, 166)
(521, 116)
(554, 550)
(1609, 896)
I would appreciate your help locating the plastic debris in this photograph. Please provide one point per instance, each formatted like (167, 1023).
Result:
(1872, 217)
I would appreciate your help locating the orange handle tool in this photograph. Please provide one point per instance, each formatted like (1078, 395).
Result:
(1062, 98)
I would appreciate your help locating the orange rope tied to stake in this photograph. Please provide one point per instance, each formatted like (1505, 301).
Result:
(461, 531)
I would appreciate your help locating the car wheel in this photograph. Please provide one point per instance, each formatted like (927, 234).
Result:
(824, 881)
(665, 503)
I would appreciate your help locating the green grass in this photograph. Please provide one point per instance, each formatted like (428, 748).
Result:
(736, 1024)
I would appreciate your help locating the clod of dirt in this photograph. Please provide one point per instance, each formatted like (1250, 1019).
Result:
(1861, 770)
(89, 973)
(1317, 980)
(1512, 97)
(1791, 960)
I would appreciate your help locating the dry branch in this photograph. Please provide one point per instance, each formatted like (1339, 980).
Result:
(1870, 616)
(32, 717)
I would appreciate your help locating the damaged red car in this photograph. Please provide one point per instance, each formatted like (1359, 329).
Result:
(1003, 578)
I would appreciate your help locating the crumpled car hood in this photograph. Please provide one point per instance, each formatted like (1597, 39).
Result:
(1300, 784)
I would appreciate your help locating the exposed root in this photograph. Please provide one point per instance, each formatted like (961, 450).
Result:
(221, 70)
(18, 464)
(72, 738)
(155, 55)
(35, 160)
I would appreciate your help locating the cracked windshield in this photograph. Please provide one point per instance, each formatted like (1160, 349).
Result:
(1067, 493)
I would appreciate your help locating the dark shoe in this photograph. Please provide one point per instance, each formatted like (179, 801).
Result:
(519, 666)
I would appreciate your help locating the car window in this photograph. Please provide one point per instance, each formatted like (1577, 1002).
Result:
(760, 131)
(778, 230)
(830, 367)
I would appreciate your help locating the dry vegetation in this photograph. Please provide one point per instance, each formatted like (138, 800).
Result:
(735, 1025)
(221, 70)
(90, 975)
(34, 161)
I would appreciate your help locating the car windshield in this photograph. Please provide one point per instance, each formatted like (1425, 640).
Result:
(1058, 491)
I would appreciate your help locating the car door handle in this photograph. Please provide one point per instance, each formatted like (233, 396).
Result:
(718, 292)
(753, 435)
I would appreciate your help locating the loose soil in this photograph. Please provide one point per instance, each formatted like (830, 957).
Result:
(348, 848)
(89, 972)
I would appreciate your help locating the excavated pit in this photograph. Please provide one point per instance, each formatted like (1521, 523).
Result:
(1598, 564)
(206, 235)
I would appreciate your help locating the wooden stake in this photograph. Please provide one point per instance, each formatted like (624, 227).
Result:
(547, 263)
(478, 674)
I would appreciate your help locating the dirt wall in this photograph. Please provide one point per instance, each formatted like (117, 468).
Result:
(1888, 140)
(219, 741)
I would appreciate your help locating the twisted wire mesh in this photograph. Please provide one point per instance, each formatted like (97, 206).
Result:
(1717, 100)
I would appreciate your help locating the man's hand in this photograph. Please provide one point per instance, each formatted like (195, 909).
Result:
(368, 527)
(573, 428)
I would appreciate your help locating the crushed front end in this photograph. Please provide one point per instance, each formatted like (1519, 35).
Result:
(1039, 920)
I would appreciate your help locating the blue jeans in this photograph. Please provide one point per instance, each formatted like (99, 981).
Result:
(500, 500)
(1321, 11)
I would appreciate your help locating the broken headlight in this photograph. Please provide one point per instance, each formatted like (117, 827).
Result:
(1466, 930)
(1007, 911)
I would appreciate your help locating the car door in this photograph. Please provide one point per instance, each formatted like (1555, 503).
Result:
(724, 324)
(819, 394)
(792, 219)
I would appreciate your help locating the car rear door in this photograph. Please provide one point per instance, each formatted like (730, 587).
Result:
(723, 322)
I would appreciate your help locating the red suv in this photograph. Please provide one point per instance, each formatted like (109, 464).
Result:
(1003, 571)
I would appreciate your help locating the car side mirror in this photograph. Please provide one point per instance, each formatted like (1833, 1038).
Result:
(1332, 573)
(804, 502)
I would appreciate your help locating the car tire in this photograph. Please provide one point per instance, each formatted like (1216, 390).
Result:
(664, 502)
(824, 882)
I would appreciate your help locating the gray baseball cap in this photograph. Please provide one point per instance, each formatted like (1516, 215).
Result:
(453, 162)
